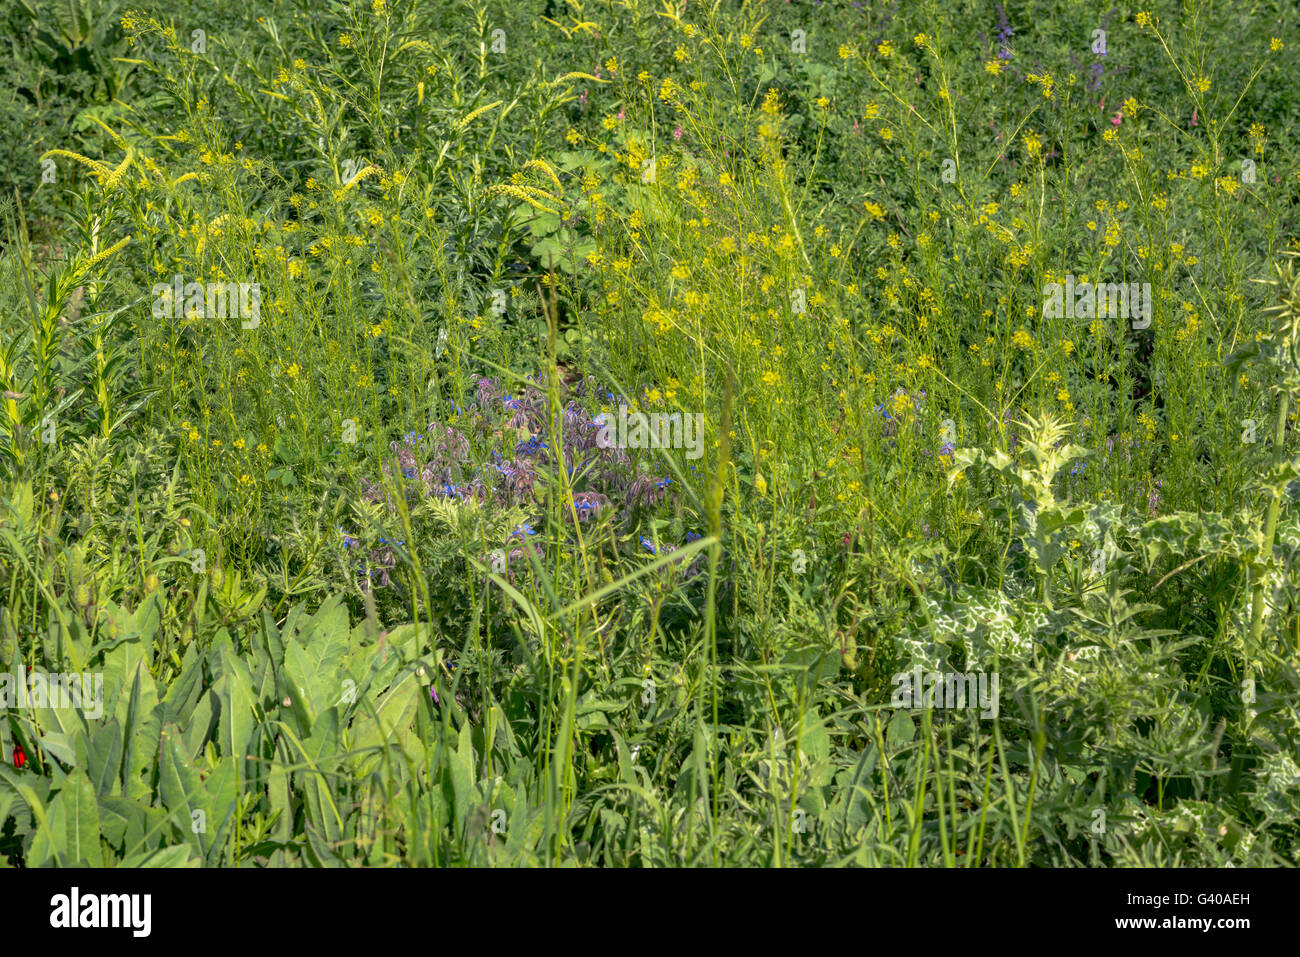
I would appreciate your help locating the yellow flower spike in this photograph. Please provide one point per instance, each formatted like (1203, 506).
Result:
(101, 169)
(518, 193)
(357, 177)
(476, 114)
(100, 257)
(115, 177)
(546, 168)
(577, 76)
(539, 193)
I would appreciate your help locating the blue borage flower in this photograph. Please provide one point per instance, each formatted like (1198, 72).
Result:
(531, 447)
(523, 529)
(649, 546)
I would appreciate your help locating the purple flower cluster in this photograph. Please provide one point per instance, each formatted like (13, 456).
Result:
(439, 462)
(1004, 35)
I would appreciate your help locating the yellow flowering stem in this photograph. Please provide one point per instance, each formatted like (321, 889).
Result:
(577, 76)
(476, 114)
(509, 189)
(100, 257)
(360, 174)
(115, 177)
(100, 168)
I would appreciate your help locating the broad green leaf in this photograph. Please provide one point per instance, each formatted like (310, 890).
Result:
(237, 719)
(188, 805)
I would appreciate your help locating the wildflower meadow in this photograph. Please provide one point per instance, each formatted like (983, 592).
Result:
(649, 433)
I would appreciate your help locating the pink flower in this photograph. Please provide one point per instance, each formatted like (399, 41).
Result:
(677, 133)
(1118, 118)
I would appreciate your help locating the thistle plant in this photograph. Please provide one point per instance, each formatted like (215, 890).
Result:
(1040, 519)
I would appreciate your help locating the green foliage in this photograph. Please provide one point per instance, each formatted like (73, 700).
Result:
(333, 573)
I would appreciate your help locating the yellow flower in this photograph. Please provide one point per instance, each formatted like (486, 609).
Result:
(292, 371)
(875, 209)
(993, 67)
(1202, 83)
(1033, 144)
(885, 49)
(1275, 44)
